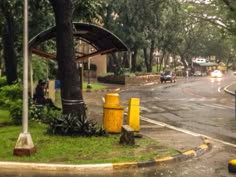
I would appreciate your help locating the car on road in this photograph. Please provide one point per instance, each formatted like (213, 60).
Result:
(168, 76)
(216, 73)
(197, 73)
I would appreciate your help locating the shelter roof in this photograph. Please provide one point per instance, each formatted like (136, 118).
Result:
(99, 38)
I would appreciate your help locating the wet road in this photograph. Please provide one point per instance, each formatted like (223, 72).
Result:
(196, 104)
(201, 106)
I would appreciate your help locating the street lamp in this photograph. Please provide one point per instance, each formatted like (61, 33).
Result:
(24, 144)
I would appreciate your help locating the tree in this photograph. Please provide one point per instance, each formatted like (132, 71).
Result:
(8, 38)
(72, 101)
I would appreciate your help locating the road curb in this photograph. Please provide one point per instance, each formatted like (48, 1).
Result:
(195, 152)
(84, 168)
(227, 90)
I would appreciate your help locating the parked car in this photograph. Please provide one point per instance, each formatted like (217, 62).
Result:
(168, 76)
(216, 73)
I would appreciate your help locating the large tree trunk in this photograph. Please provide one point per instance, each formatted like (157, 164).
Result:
(133, 59)
(149, 58)
(71, 93)
(9, 53)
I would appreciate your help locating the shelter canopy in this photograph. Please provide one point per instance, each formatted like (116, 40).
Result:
(99, 38)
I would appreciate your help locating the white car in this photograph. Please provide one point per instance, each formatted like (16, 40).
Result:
(197, 73)
(216, 73)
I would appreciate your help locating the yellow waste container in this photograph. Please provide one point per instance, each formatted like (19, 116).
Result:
(112, 113)
(112, 98)
(133, 114)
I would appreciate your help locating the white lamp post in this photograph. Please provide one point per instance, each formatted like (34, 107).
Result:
(24, 144)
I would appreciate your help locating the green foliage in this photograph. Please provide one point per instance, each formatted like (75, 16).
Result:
(3, 81)
(87, 11)
(9, 94)
(15, 109)
(37, 112)
(74, 124)
(10, 97)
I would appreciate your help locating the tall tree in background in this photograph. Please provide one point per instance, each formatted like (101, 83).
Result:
(8, 39)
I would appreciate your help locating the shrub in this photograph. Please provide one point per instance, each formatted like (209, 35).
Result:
(112, 79)
(3, 81)
(15, 109)
(37, 112)
(9, 94)
(74, 124)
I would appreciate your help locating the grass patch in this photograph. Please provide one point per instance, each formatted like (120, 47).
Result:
(94, 86)
(75, 150)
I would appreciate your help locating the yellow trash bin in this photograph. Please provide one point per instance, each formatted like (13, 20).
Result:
(112, 98)
(112, 113)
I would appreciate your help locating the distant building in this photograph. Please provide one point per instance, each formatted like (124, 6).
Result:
(203, 65)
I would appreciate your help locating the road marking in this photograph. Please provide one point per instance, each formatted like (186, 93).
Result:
(185, 131)
(145, 109)
(213, 106)
(219, 89)
(158, 108)
(223, 106)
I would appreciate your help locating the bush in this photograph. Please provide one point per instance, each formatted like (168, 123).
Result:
(15, 109)
(3, 81)
(37, 112)
(74, 124)
(11, 97)
(112, 79)
(9, 94)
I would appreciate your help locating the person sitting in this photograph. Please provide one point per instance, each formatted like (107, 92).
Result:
(40, 98)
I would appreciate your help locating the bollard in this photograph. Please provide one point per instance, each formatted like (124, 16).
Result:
(133, 114)
(112, 113)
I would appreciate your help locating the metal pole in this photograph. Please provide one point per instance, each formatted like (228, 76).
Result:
(25, 70)
(24, 144)
(89, 71)
(31, 75)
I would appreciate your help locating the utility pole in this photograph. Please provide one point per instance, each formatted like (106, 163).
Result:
(24, 144)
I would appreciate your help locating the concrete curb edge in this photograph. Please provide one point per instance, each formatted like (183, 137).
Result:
(84, 168)
(227, 90)
(195, 152)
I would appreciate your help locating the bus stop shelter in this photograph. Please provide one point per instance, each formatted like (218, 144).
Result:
(102, 40)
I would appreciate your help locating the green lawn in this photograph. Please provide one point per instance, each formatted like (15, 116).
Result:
(94, 86)
(76, 150)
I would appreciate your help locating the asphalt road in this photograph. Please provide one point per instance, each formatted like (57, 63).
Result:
(201, 106)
